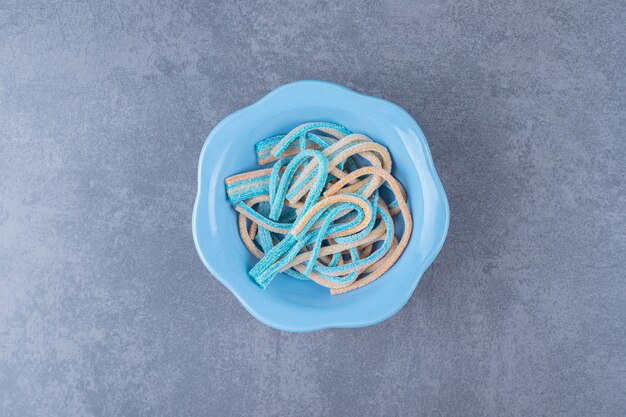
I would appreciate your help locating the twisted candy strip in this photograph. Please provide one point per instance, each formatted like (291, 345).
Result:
(317, 212)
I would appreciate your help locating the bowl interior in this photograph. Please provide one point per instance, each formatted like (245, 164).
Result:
(293, 304)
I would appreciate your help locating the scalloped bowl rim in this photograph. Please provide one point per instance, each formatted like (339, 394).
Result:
(267, 315)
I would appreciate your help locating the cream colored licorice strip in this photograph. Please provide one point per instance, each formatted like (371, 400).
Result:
(318, 213)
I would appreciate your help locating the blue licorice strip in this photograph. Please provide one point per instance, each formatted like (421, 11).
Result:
(338, 227)
(287, 140)
(263, 220)
(360, 235)
(321, 235)
(280, 255)
(287, 177)
(265, 146)
(372, 257)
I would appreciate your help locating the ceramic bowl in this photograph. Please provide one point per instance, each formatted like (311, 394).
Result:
(290, 304)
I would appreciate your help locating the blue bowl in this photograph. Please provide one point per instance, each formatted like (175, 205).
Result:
(301, 306)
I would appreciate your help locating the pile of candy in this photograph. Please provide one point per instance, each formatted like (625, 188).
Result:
(321, 212)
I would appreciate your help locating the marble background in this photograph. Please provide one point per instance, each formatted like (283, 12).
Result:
(106, 309)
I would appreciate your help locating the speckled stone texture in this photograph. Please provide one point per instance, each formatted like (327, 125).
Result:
(107, 310)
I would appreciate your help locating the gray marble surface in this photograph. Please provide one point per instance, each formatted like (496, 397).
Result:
(106, 309)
